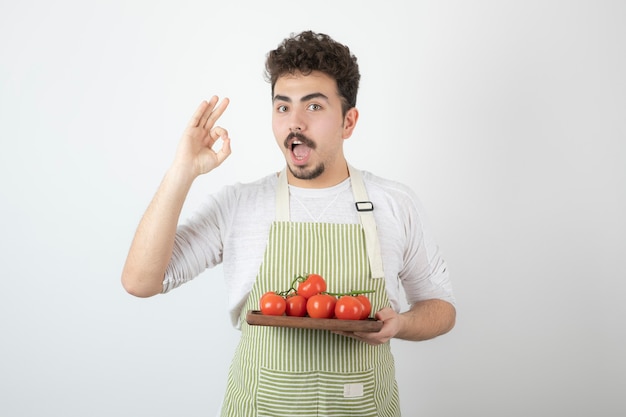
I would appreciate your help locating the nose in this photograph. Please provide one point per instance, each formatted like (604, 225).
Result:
(296, 122)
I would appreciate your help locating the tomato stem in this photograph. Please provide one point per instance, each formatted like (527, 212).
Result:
(301, 278)
(298, 278)
(357, 292)
(293, 287)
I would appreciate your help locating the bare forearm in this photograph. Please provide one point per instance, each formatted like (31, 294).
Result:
(426, 320)
(152, 245)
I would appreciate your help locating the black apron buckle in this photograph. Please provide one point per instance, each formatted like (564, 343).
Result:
(364, 206)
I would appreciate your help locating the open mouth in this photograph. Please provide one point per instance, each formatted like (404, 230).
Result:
(299, 150)
(300, 147)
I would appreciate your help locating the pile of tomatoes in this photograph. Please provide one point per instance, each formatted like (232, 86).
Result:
(310, 298)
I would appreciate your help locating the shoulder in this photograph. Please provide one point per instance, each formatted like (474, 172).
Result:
(385, 189)
(236, 199)
(249, 190)
(395, 204)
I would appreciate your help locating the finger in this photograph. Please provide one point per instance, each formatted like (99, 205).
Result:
(385, 314)
(197, 116)
(224, 152)
(218, 132)
(216, 113)
(208, 112)
(352, 335)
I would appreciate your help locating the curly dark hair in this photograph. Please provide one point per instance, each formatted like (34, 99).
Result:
(309, 51)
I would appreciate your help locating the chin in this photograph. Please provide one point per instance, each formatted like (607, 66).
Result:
(306, 172)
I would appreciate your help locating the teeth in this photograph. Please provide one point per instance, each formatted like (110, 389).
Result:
(295, 142)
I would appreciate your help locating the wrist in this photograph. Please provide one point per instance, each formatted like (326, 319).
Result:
(181, 174)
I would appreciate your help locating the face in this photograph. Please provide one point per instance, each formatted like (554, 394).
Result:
(310, 128)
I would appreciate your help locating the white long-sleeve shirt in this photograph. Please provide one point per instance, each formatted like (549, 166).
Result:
(232, 227)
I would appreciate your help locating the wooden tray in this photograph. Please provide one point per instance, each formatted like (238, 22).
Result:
(255, 318)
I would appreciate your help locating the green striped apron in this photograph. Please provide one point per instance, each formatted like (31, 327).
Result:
(287, 372)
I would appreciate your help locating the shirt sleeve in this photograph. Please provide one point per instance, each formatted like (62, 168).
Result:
(425, 273)
(198, 243)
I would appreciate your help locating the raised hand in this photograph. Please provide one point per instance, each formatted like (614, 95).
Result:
(195, 153)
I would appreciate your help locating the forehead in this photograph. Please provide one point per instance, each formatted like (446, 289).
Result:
(297, 85)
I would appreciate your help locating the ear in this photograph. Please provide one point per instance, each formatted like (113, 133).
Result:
(349, 122)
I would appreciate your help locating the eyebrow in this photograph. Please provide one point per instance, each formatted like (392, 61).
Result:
(308, 97)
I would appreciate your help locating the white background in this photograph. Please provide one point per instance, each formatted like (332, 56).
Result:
(508, 118)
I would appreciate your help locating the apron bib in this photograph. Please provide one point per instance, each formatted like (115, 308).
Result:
(286, 372)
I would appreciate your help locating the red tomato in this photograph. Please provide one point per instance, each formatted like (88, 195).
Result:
(266, 294)
(367, 306)
(348, 308)
(313, 284)
(272, 304)
(296, 306)
(321, 306)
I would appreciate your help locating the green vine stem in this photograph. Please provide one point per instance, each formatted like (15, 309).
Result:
(300, 278)
(357, 292)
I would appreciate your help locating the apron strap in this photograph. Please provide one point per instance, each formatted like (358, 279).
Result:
(364, 207)
(366, 213)
(282, 197)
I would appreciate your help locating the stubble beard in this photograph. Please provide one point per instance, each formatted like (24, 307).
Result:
(304, 173)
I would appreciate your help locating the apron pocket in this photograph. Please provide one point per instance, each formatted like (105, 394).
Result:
(315, 394)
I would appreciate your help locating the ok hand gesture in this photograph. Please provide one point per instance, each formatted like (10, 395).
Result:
(195, 152)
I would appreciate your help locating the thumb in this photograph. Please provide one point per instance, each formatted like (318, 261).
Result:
(385, 314)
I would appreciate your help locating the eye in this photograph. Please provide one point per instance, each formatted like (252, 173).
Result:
(314, 107)
(281, 109)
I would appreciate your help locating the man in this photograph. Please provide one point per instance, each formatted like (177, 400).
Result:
(318, 215)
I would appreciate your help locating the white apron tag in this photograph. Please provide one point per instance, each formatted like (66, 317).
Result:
(352, 390)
